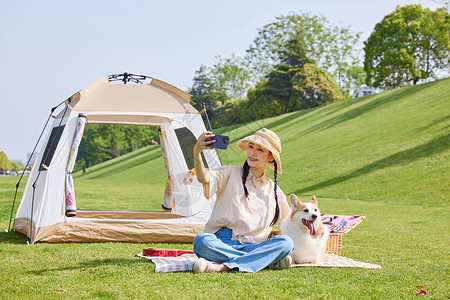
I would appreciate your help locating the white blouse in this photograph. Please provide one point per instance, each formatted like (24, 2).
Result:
(248, 218)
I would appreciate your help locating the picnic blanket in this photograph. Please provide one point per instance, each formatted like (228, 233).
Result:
(185, 262)
(177, 260)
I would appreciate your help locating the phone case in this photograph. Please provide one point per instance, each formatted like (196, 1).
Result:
(221, 142)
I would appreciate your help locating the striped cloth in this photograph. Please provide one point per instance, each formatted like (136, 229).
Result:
(185, 262)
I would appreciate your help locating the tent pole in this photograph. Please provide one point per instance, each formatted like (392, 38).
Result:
(29, 159)
(31, 215)
(209, 124)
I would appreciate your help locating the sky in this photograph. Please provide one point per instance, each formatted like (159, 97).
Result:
(50, 50)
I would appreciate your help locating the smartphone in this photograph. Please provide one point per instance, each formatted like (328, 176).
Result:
(221, 141)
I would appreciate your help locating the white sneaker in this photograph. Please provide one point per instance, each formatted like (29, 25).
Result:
(282, 264)
(202, 265)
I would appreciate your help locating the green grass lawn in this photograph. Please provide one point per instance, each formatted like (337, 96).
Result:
(384, 156)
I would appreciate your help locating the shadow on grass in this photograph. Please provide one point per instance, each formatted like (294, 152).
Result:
(13, 237)
(91, 265)
(435, 123)
(301, 115)
(405, 157)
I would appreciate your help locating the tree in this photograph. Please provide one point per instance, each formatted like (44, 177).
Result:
(315, 86)
(5, 164)
(231, 76)
(296, 83)
(17, 166)
(118, 143)
(331, 47)
(139, 136)
(408, 45)
(280, 84)
(206, 89)
(102, 142)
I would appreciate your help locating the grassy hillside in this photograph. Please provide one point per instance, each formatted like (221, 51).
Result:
(392, 147)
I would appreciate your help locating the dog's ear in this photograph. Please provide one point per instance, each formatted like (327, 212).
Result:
(294, 202)
(314, 200)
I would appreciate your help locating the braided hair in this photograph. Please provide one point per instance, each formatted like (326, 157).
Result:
(277, 208)
(246, 169)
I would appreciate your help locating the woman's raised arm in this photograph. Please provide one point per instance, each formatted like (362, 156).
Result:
(201, 145)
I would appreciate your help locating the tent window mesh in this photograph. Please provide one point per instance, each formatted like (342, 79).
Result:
(51, 147)
(187, 142)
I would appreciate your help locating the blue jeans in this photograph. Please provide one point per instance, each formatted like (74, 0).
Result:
(247, 257)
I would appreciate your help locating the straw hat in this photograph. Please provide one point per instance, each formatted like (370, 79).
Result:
(267, 139)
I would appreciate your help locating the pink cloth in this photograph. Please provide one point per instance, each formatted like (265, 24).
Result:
(70, 199)
(341, 224)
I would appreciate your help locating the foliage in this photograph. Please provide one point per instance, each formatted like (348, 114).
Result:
(296, 83)
(408, 45)
(5, 164)
(281, 81)
(17, 166)
(217, 86)
(315, 86)
(102, 142)
(206, 90)
(232, 76)
(332, 47)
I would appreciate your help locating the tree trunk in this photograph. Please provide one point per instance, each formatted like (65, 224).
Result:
(287, 103)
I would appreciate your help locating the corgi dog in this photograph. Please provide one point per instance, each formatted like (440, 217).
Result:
(302, 226)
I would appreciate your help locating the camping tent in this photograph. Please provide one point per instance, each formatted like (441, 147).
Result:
(48, 212)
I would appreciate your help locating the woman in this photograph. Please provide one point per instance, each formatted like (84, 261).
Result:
(248, 204)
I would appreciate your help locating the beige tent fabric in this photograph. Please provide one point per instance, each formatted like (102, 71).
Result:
(132, 232)
(123, 215)
(22, 225)
(105, 96)
(125, 119)
(171, 88)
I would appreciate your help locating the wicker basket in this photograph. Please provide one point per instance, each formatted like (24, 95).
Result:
(334, 244)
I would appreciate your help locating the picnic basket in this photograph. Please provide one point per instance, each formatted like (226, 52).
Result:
(337, 231)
